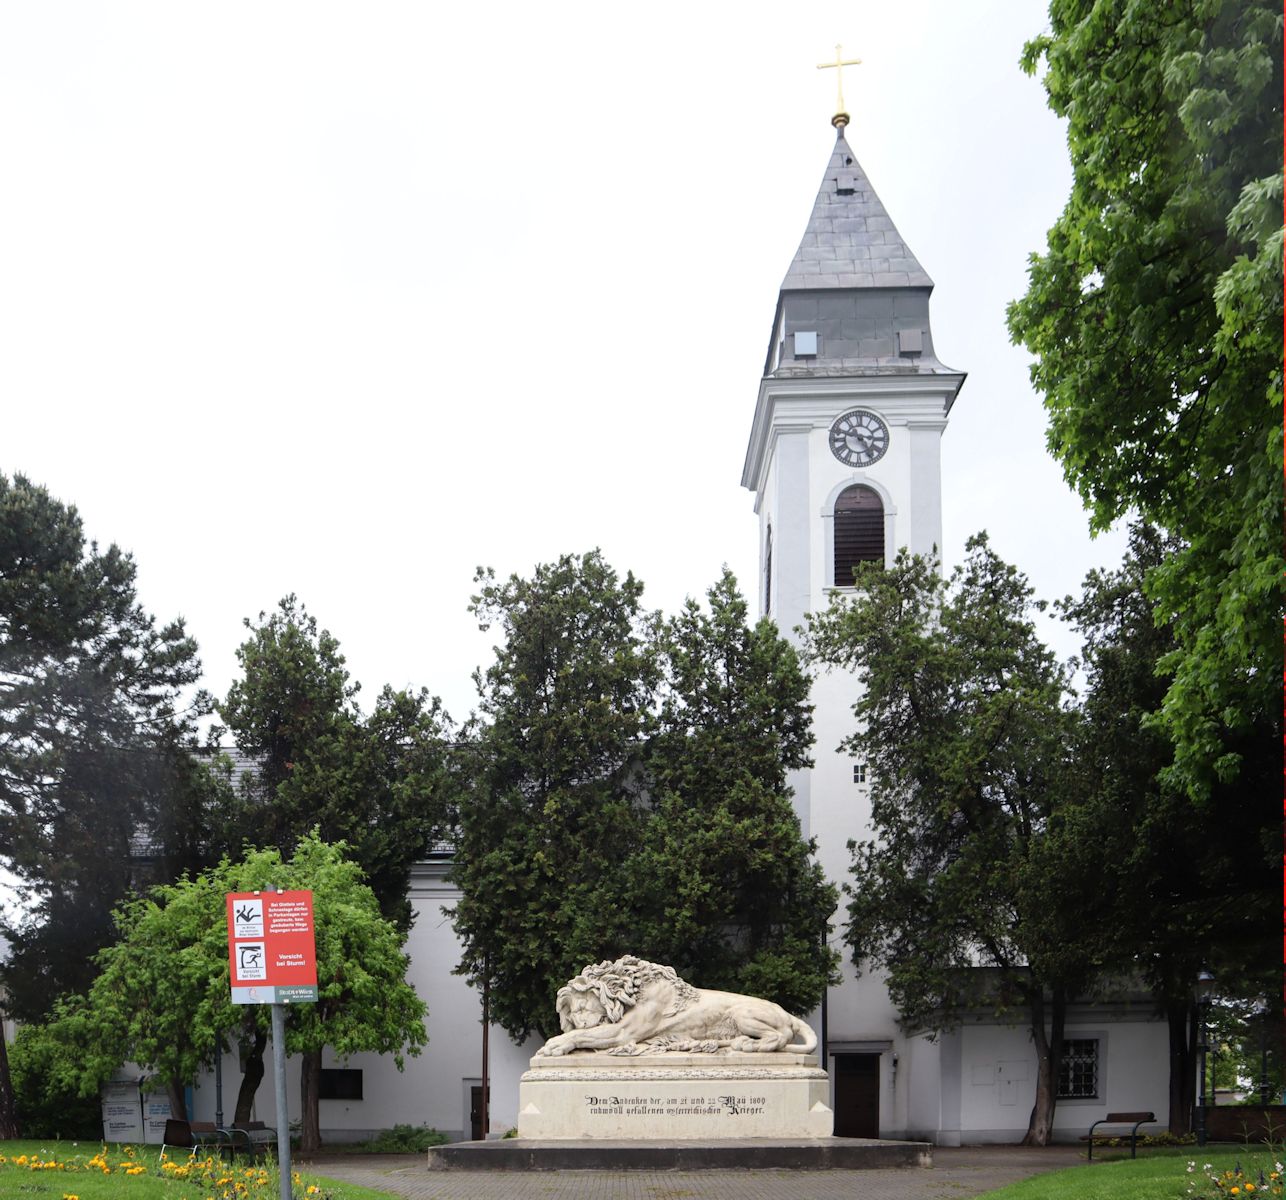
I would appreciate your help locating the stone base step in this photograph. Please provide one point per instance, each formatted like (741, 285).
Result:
(812, 1154)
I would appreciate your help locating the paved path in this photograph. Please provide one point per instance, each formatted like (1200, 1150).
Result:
(956, 1173)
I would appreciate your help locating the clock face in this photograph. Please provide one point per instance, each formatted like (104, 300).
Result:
(859, 438)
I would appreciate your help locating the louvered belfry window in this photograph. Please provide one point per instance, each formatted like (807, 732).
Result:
(859, 531)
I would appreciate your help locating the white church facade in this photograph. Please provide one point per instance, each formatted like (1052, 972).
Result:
(843, 463)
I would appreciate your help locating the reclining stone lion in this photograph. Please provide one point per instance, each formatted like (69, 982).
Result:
(632, 1006)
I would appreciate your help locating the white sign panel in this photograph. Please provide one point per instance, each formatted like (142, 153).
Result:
(247, 918)
(122, 1112)
(156, 1111)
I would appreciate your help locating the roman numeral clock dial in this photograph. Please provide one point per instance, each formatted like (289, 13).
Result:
(859, 438)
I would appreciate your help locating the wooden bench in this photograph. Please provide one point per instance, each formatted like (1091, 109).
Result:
(1119, 1118)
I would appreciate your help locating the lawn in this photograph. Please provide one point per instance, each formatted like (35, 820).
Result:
(1161, 1175)
(53, 1170)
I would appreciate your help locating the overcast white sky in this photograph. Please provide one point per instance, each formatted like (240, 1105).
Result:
(345, 299)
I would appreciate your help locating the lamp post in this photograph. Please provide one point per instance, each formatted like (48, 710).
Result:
(1262, 1013)
(1202, 990)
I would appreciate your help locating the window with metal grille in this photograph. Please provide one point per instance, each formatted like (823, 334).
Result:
(1078, 1073)
(339, 1083)
(859, 531)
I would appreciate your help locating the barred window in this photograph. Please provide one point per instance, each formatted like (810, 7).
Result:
(1078, 1074)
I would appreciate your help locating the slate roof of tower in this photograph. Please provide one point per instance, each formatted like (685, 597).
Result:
(850, 241)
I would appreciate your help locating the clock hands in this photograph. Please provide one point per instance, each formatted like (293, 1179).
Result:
(858, 438)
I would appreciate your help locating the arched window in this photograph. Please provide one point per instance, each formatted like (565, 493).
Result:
(859, 531)
(768, 573)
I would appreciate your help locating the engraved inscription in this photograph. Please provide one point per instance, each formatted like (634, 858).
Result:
(698, 1105)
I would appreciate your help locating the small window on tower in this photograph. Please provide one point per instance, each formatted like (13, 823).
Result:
(859, 772)
(806, 344)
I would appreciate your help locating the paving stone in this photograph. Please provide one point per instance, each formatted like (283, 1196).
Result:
(956, 1174)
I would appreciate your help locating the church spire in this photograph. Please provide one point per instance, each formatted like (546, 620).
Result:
(855, 301)
(850, 241)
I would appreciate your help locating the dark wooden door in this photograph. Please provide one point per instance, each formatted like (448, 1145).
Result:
(857, 1095)
(475, 1113)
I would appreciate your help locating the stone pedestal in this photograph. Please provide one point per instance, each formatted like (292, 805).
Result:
(674, 1097)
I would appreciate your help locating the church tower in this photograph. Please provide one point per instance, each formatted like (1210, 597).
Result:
(844, 464)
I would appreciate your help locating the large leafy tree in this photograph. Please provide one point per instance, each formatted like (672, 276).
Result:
(90, 715)
(162, 996)
(725, 888)
(378, 783)
(963, 722)
(1155, 314)
(555, 802)
(1175, 887)
(628, 795)
(95, 742)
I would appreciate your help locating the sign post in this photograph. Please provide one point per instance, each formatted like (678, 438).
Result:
(272, 959)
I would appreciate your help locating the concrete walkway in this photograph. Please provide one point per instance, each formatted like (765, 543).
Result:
(956, 1173)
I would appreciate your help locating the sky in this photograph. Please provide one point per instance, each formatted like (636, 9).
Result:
(346, 300)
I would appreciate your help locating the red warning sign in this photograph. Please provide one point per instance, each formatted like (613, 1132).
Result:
(272, 955)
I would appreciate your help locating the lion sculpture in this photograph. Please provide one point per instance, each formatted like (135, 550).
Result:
(635, 1007)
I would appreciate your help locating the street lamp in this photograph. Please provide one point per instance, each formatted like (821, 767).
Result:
(1262, 1011)
(1202, 991)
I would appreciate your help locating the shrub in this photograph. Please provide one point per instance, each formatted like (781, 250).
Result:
(46, 1109)
(406, 1139)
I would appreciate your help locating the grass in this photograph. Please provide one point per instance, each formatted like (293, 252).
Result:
(51, 1170)
(1160, 1174)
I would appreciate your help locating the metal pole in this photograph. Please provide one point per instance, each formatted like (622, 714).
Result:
(486, 1076)
(1201, 1085)
(218, 1081)
(283, 1110)
(1264, 1089)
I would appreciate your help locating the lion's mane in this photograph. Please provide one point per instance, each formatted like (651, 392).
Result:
(618, 986)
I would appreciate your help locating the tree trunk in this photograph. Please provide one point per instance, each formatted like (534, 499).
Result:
(178, 1101)
(8, 1109)
(310, 1101)
(1183, 1091)
(251, 1078)
(1049, 1054)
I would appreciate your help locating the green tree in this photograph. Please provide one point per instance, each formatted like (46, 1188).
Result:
(725, 887)
(380, 784)
(1155, 315)
(555, 795)
(162, 997)
(628, 795)
(963, 723)
(90, 708)
(1177, 886)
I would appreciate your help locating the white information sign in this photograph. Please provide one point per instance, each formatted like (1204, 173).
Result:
(156, 1111)
(247, 918)
(122, 1112)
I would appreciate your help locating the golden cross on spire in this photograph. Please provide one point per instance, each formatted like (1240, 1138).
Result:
(841, 116)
